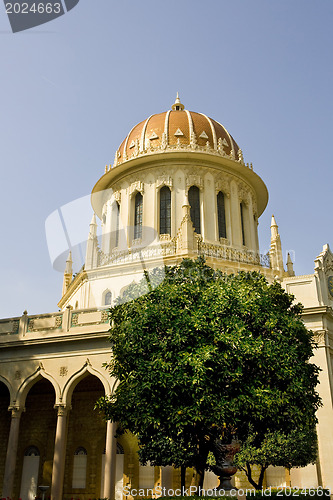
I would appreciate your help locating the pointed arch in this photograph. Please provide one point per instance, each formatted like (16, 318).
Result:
(9, 387)
(86, 370)
(26, 385)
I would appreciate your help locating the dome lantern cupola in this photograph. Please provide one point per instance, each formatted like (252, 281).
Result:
(177, 106)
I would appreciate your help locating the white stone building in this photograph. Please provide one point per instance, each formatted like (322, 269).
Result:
(178, 188)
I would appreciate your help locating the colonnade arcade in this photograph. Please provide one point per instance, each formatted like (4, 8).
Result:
(57, 441)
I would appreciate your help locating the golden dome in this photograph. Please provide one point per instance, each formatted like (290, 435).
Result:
(178, 129)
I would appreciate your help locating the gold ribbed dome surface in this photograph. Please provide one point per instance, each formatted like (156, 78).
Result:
(177, 128)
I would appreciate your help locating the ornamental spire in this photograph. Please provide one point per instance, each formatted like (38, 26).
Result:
(290, 266)
(68, 274)
(276, 248)
(274, 228)
(92, 244)
(177, 106)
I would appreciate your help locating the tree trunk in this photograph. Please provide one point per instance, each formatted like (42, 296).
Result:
(248, 472)
(261, 476)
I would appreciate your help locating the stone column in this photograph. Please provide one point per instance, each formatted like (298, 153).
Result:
(236, 229)
(110, 461)
(59, 456)
(251, 222)
(8, 482)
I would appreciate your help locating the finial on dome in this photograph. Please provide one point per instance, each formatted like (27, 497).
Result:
(177, 106)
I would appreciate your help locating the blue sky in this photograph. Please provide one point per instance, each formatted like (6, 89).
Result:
(73, 88)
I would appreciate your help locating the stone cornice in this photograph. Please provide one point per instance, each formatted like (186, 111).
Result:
(298, 277)
(318, 310)
(77, 337)
(182, 158)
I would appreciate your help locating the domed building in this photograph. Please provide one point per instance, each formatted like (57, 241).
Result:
(178, 188)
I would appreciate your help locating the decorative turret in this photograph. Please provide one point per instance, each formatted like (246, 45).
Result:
(92, 245)
(276, 248)
(68, 274)
(290, 266)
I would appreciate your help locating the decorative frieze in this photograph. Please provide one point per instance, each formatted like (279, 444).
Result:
(164, 180)
(223, 184)
(41, 323)
(194, 180)
(136, 187)
(163, 146)
(9, 327)
(243, 192)
(117, 196)
(95, 317)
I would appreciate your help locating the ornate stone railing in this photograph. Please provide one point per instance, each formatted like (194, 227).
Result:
(208, 149)
(89, 317)
(137, 253)
(54, 324)
(232, 254)
(9, 326)
(168, 247)
(44, 322)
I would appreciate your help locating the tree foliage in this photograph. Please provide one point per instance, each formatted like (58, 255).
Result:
(207, 356)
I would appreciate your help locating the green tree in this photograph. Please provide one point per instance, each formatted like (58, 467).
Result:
(294, 448)
(206, 356)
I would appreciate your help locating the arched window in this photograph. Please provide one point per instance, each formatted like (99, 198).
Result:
(242, 222)
(32, 451)
(117, 210)
(107, 298)
(165, 210)
(138, 216)
(194, 201)
(221, 215)
(30, 470)
(120, 449)
(79, 468)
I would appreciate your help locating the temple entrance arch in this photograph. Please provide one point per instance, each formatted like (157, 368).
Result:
(85, 439)
(36, 440)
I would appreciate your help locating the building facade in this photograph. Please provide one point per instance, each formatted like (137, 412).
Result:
(179, 187)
